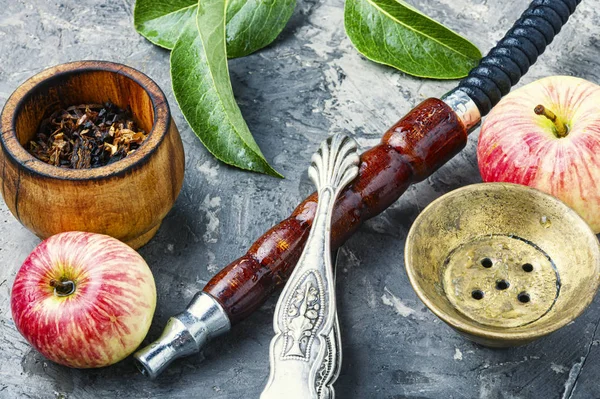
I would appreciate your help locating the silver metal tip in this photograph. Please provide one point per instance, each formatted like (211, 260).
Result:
(175, 341)
(183, 335)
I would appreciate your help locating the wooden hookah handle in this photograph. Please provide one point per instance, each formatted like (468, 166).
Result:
(410, 151)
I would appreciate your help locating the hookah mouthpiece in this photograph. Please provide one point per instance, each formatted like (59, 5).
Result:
(184, 335)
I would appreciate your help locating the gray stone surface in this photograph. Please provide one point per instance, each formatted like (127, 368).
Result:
(308, 83)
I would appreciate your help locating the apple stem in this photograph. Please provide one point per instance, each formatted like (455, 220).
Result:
(561, 128)
(63, 287)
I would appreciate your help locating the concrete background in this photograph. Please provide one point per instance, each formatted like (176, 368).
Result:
(309, 83)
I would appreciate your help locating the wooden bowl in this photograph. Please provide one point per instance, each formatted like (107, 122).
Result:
(127, 199)
(501, 263)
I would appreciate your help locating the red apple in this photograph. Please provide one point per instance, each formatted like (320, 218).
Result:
(83, 300)
(547, 135)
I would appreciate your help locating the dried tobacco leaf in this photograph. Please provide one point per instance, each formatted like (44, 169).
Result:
(87, 136)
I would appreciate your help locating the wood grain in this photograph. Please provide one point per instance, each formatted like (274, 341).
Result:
(412, 149)
(127, 199)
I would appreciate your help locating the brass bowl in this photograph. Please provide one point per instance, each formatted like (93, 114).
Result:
(127, 199)
(503, 264)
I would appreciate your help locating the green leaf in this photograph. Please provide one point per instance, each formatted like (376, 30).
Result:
(251, 24)
(254, 24)
(203, 90)
(393, 33)
(161, 21)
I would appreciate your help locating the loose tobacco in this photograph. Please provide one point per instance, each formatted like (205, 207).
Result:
(87, 136)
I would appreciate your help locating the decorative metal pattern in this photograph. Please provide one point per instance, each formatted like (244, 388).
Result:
(304, 315)
(465, 108)
(306, 350)
(330, 367)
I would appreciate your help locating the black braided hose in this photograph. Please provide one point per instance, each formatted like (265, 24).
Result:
(510, 59)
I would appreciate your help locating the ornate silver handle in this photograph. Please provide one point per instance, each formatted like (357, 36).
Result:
(305, 353)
